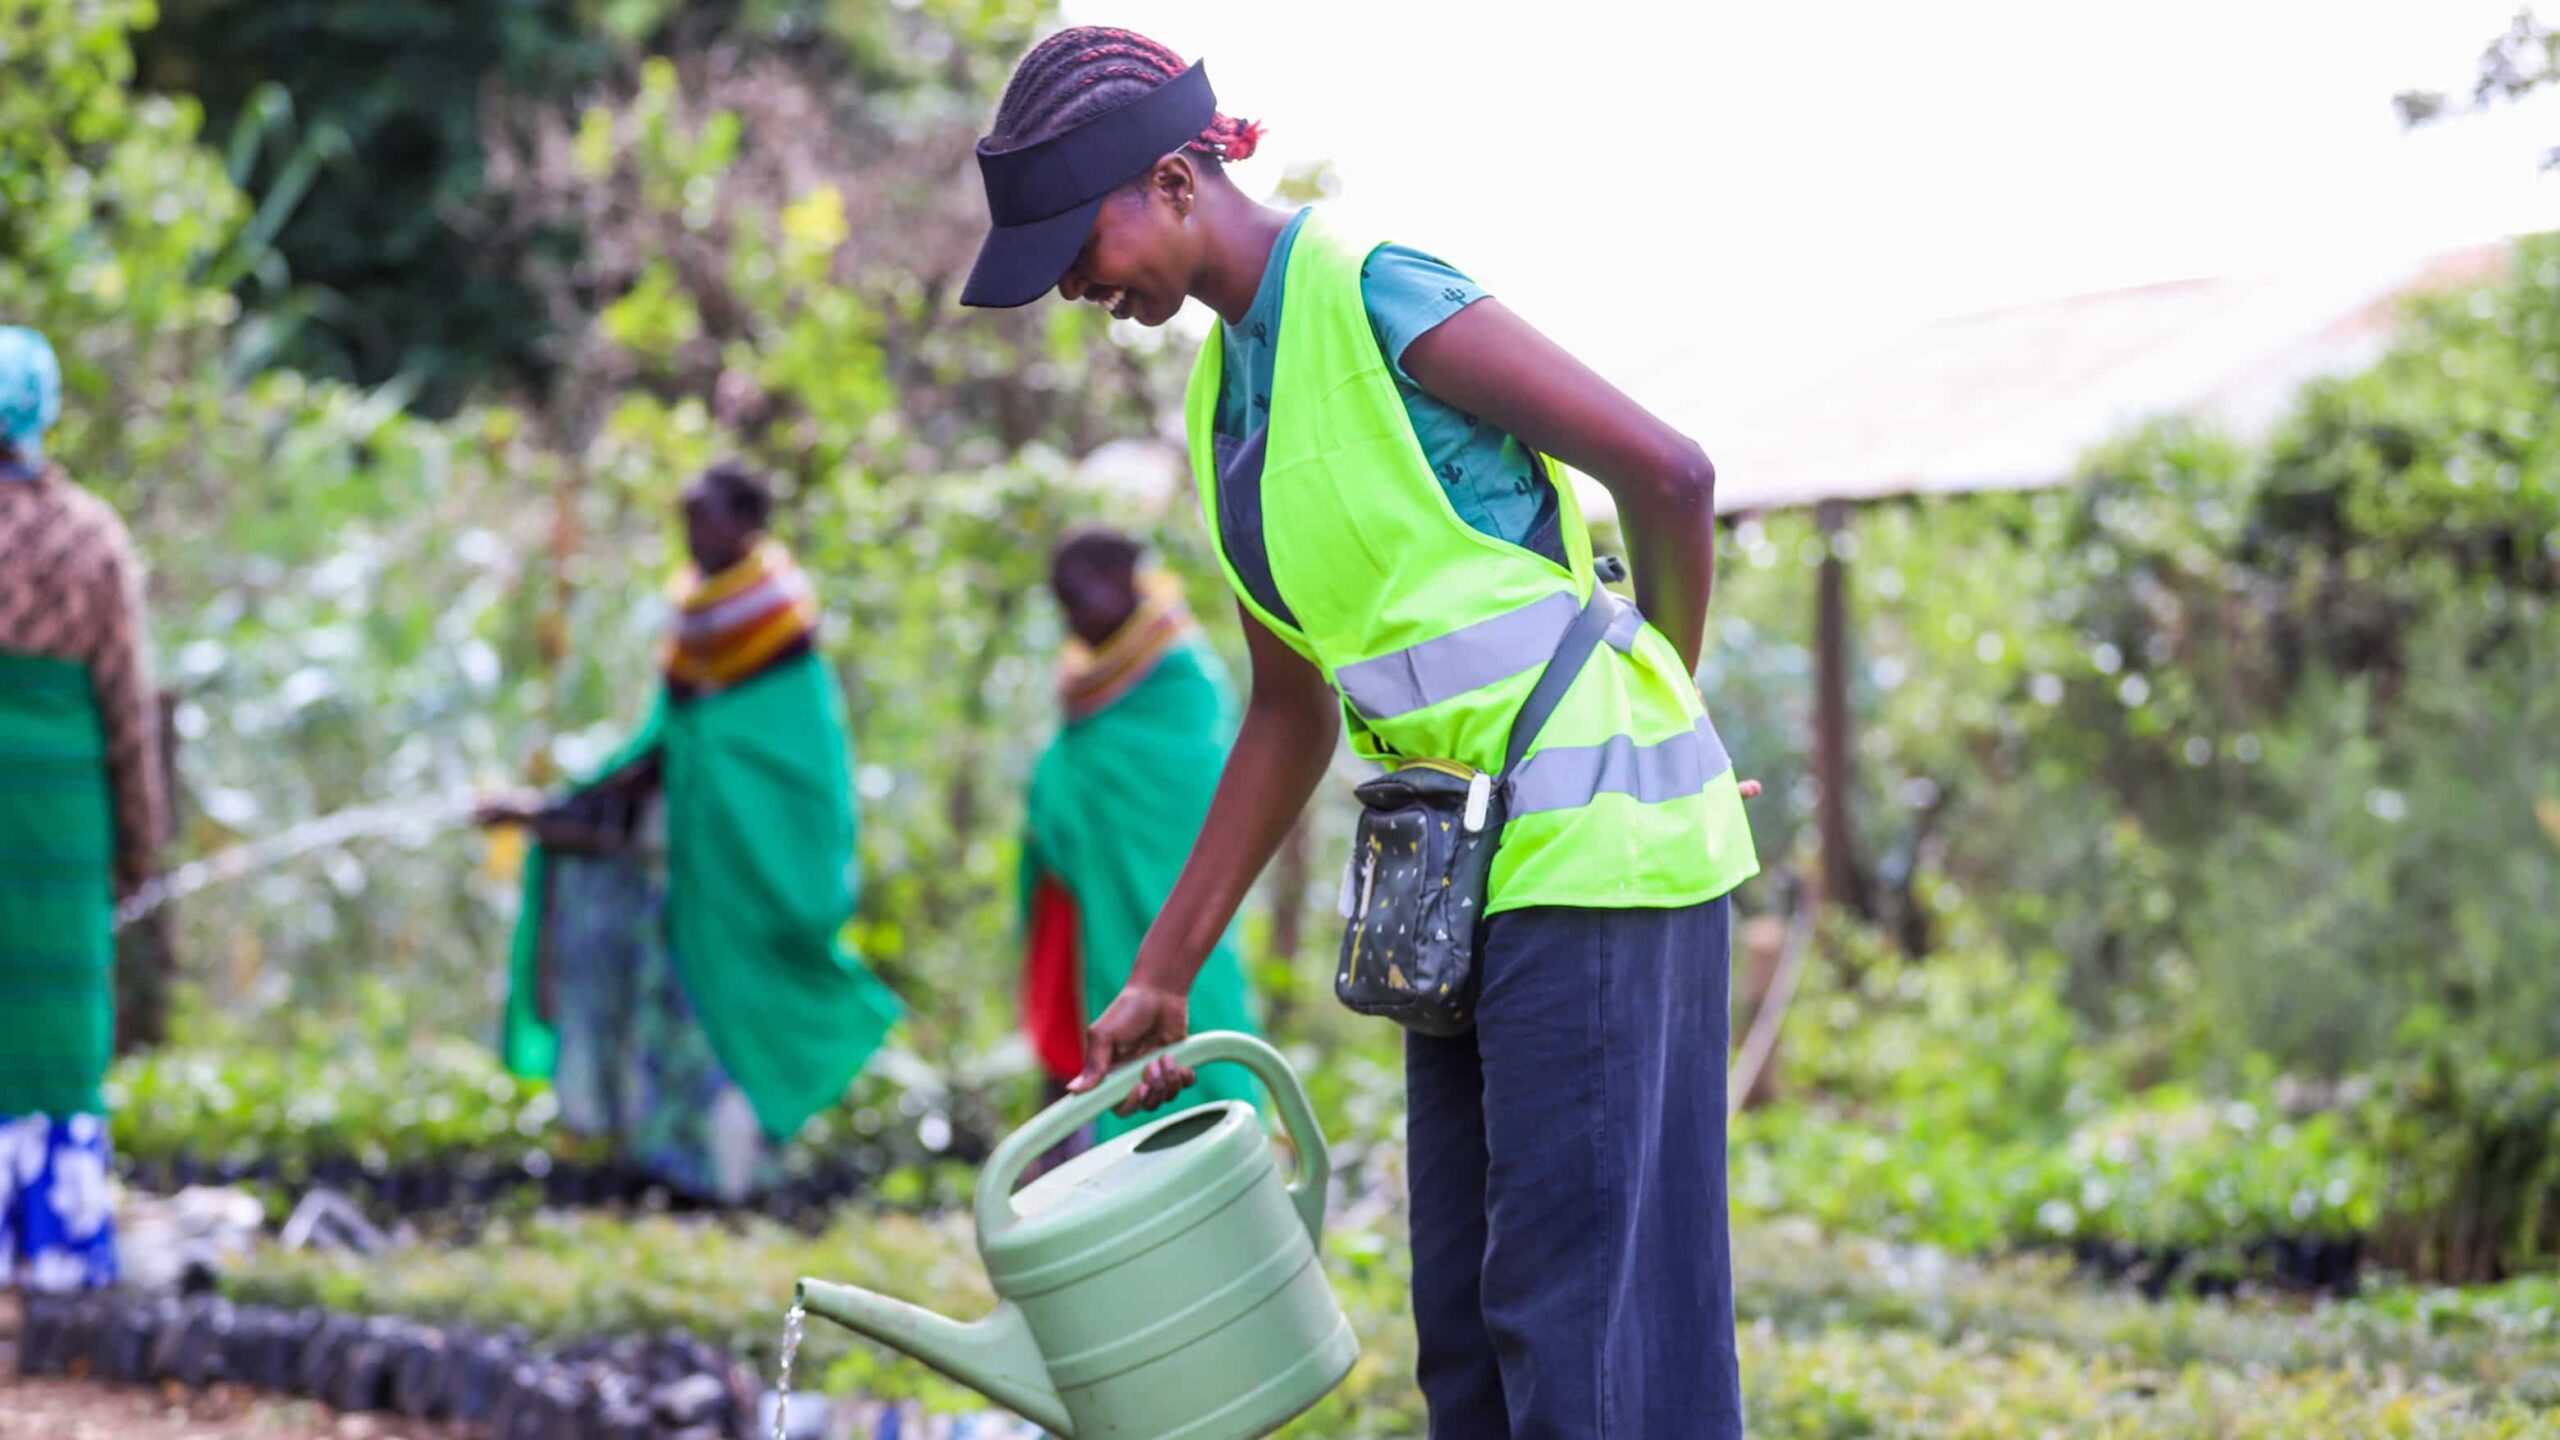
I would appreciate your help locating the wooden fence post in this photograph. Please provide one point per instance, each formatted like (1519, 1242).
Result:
(1841, 877)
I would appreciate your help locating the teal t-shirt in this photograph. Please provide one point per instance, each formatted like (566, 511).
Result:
(1489, 477)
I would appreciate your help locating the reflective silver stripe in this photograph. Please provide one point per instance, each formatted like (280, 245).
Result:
(1448, 666)
(1567, 777)
(1623, 626)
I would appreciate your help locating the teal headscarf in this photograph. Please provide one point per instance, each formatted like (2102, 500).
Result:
(30, 391)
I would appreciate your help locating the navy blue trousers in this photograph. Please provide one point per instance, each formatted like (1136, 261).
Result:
(1572, 1274)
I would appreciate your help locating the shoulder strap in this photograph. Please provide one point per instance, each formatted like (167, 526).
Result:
(1580, 639)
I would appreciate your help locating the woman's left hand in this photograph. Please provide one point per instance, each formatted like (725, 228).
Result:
(1750, 789)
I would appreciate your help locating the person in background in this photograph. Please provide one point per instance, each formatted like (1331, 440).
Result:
(1116, 800)
(1376, 444)
(678, 968)
(80, 814)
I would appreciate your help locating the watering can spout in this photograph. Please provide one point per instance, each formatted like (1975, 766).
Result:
(995, 1357)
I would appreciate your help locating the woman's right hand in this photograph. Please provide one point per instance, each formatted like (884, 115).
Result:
(1140, 1020)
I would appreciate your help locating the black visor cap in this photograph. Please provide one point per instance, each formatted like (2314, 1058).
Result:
(1043, 196)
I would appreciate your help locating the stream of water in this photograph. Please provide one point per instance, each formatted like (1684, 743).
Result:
(791, 1327)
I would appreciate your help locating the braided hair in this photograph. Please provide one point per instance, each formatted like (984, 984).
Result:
(1090, 70)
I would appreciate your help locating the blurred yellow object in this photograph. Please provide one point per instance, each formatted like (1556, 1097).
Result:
(2546, 808)
(504, 860)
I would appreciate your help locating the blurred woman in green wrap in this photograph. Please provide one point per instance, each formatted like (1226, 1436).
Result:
(678, 966)
(1116, 802)
(80, 810)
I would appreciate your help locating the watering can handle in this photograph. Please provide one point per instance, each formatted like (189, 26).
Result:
(1315, 1166)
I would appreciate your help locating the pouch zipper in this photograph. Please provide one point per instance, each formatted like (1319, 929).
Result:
(1479, 788)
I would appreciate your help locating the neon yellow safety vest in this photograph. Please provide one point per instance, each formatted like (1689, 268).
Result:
(1432, 632)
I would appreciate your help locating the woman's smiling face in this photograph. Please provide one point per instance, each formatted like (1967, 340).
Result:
(1139, 258)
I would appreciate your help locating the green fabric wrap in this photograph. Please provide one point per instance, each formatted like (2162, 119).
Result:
(761, 877)
(1116, 802)
(57, 898)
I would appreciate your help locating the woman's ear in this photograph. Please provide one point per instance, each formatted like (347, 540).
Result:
(1177, 181)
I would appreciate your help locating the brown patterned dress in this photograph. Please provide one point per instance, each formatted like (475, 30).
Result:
(70, 589)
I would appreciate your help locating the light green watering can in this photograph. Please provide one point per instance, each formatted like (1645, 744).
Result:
(1163, 1286)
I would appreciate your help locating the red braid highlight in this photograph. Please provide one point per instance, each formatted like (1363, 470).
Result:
(1231, 139)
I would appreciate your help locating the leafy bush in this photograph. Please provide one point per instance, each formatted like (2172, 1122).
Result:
(1958, 1102)
(316, 1098)
(2472, 1146)
(383, 1103)
(1846, 1383)
(2178, 1172)
(1839, 1337)
(1796, 1278)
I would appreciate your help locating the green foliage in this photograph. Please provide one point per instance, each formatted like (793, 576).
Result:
(1966, 1042)
(563, 1277)
(922, 45)
(2405, 870)
(108, 214)
(364, 130)
(1792, 1277)
(1839, 1338)
(1847, 1383)
(395, 1097)
(365, 118)
(2180, 1172)
(318, 557)
(382, 1093)
(2473, 1146)
(1958, 1103)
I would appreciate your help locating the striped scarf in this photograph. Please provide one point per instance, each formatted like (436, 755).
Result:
(1091, 677)
(728, 626)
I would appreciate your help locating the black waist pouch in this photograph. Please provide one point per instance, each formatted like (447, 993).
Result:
(1414, 892)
